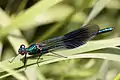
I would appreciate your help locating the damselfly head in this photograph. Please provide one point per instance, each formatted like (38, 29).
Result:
(22, 49)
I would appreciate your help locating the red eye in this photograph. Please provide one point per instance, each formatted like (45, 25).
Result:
(22, 53)
(22, 49)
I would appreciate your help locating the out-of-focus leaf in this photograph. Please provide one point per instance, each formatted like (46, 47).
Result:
(102, 73)
(16, 39)
(114, 4)
(1, 47)
(28, 19)
(40, 75)
(106, 56)
(96, 10)
(12, 72)
(117, 77)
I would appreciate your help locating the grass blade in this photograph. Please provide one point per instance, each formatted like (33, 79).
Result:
(96, 10)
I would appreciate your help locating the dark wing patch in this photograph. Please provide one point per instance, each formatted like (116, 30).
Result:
(80, 36)
(72, 39)
(54, 43)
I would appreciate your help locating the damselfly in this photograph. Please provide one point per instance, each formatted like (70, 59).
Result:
(70, 40)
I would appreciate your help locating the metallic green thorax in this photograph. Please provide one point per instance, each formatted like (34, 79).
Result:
(33, 49)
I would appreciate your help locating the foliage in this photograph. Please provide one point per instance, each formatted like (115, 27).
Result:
(31, 21)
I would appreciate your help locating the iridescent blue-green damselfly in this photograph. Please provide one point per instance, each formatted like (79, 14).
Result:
(70, 40)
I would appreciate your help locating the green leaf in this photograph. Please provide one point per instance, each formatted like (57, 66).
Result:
(1, 47)
(11, 72)
(30, 17)
(96, 10)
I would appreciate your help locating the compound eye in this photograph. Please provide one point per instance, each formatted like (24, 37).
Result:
(22, 46)
(22, 49)
(22, 53)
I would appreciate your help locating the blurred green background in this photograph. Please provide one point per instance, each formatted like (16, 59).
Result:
(32, 21)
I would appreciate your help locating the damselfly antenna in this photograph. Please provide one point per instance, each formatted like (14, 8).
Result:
(21, 50)
(13, 59)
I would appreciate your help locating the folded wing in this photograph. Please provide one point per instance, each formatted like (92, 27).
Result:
(72, 39)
